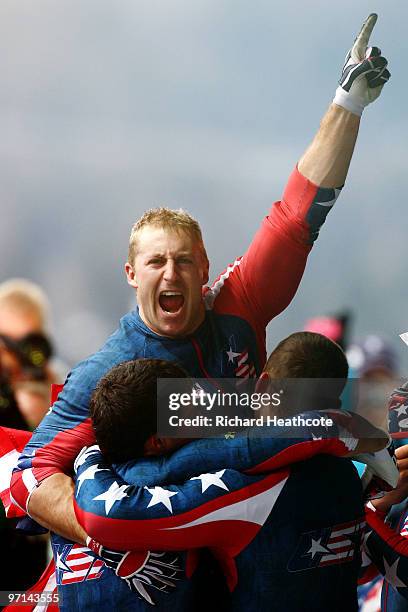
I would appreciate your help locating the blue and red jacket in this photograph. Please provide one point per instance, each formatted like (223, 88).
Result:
(239, 305)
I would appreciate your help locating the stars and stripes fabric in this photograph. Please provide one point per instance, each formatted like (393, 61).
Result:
(244, 369)
(387, 548)
(12, 442)
(398, 413)
(328, 546)
(223, 510)
(75, 563)
(369, 596)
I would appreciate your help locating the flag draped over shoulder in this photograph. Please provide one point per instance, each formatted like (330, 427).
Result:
(12, 442)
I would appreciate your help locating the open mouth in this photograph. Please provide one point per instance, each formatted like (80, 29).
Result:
(171, 301)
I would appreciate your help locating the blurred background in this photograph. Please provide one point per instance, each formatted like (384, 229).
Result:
(108, 108)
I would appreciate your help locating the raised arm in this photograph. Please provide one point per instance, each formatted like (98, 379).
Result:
(267, 276)
(327, 160)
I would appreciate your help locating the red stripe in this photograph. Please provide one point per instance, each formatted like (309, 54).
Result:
(18, 490)
(340, 538)
(300, 452)
(338, 551)
(80, 566)
(397, 542)
(239, 371)
(79, 555)
(338, 561)
(54, 457)
(242, 358)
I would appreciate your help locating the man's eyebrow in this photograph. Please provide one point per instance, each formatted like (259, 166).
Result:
(177, 254)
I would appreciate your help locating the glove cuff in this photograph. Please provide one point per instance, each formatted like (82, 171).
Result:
(345, 100)
(94, 545)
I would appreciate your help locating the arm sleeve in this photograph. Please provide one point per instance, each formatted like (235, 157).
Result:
(388, 550)
(263, 282)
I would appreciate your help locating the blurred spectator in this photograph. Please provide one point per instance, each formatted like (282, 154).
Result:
(373, 358)
(374, 362)
(25, 349)
(335, 327)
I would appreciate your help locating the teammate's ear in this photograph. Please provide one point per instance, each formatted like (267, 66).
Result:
(153, 446)
(130, 275)
(263, 382)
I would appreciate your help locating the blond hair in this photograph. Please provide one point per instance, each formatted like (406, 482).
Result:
(176, 220)
(25, 296)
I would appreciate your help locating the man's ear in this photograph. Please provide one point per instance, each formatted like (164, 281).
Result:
(153, 446)
(130, 275)
(206, 270)
(263, 382)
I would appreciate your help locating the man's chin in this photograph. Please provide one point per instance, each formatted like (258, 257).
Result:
(170, 326)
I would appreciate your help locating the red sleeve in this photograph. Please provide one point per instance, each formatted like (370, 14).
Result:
(262, 283)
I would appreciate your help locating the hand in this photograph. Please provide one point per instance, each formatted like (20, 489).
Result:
(400, 493)
(364, 72)
(158, 570)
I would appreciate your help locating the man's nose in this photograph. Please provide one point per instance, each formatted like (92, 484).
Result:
(170, 270)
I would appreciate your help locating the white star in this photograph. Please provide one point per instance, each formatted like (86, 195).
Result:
(211, 479)
(317, 547)
(84, 454)
(89, 474)
(391, 574)
(60, 564)
(161, 496)
(114, 493)
(401, 410)
(231, 355)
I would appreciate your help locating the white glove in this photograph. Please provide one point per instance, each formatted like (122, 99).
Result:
(364, 72)
(140, 570)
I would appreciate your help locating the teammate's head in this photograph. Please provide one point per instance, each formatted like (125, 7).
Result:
(314, 357)
(168, 266)
(123, 409)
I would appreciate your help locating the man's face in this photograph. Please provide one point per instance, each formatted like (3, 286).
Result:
(169, 272)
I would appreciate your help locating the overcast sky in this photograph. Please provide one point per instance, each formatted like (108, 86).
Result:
(111, 107)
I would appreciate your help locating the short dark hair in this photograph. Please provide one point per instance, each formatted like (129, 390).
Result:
(309, 355)
(123, 406)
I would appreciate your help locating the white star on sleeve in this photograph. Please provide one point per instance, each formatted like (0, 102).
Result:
(113, 494)
(161, 496)
(232, 355)
(401, 410)
(89, 474)
(84, 454)
(317, 547)
(211, 479)
(60, 564)
(391, 574)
